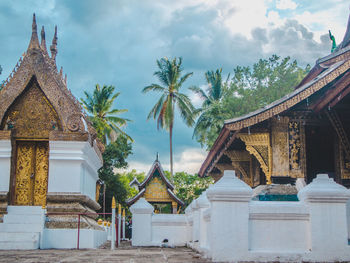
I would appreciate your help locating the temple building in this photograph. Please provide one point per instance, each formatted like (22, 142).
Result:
(49, 155)
(298, 136)
(157, 190)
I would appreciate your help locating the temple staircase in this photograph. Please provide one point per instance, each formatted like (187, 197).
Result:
(22, 227)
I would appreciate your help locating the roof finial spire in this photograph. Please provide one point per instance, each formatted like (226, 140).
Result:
(43, 40)
(53, 47)
(34, 41)
(157, 157)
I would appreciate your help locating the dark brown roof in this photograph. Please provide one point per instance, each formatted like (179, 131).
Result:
(326, 70)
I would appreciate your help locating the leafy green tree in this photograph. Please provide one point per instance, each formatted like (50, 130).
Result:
(171, 79)
(210, 111)
(114, 157)
(127, 177)
(249, 89)
(104, 119)
(189, 187)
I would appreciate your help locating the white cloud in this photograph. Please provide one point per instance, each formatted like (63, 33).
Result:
(286, 4)
(189, 160)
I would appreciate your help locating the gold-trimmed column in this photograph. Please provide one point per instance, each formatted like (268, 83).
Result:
(258, 144)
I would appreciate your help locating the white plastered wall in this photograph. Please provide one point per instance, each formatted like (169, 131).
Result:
(73, 168)
(5, 164)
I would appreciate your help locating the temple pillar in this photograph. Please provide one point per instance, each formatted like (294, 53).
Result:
(141, 223)
(279, 144)
(229, 229)
(328, 219)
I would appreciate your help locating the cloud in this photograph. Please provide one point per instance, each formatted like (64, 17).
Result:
(117, 42)
(189, 160)
(286, 4)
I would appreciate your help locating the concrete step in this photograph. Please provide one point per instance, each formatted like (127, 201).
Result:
(19, 236)
(23, 218)
(4, 227)
(24, 210)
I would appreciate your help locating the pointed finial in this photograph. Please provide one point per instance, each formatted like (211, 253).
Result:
(114, 204)
(43, 41)
(119, 209)
(61, 72)
(34, 26)
(123, 212)
(53, 47)
(34, 41)
(157, 157)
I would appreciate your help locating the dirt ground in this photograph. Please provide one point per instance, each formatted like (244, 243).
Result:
(125, 253)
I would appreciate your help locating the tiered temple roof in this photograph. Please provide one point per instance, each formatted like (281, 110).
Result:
(156, 187)
(326, 85)
(37, 67)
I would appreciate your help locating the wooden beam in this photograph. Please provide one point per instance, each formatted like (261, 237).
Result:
(339, 86)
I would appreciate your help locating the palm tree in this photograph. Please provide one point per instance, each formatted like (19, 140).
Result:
(103, 118)
(210, 114)
(169, 75)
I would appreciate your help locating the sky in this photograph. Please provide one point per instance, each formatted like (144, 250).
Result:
(117, 42)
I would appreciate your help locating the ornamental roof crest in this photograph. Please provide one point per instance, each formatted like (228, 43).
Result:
(37, 66)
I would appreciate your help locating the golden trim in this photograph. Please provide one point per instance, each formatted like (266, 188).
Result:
(258, 144)
(250, 121)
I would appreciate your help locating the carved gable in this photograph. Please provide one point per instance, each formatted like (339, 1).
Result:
(31, 115)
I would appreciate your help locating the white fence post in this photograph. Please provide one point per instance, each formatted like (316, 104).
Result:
(327, 205)
(141, 223)
(229, 199)
(114, 205)
(203, 204)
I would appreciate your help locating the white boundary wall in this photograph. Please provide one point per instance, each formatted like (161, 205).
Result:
(226, 225)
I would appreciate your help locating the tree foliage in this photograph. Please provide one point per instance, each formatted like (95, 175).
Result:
(249, 89)
(114, 157)
(171, 79)
(104, 119)
(210, 112)
(127, 177)
(189, 187)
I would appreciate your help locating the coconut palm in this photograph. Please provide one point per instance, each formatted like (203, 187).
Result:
(210, 115)
(171, 79)
(104, 119)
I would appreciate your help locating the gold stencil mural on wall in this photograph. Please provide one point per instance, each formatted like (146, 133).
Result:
(31, 173)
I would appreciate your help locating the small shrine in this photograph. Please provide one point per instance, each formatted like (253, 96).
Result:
(50, 155)
(305, 133)
(157, 190)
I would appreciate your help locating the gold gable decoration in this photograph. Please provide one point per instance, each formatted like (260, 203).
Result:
(258, 144)
(31, 116)
(156, 191)
(37, 67)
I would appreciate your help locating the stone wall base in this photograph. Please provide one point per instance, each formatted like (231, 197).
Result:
(62, 210)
